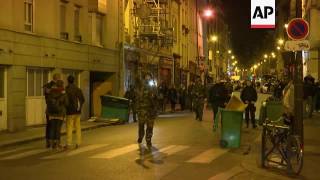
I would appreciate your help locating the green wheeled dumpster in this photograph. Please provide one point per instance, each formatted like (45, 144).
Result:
(115, 108)
(272, 110)
(231, 123)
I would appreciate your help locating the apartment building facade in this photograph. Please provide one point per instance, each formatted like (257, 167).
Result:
(39, 38)
(162, 36)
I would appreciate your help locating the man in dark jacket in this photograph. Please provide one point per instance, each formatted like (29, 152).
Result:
(249, 96)
(199, 97)
(218, 97)
(131, 95)
(173, 97)
(46, 91)
(76, 100)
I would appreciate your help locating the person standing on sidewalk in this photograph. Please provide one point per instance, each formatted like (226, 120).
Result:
(57, 103)
(173, 96)
(76, 100)
(249, 96)
(199, 97)
(47, 88)
(131, 95)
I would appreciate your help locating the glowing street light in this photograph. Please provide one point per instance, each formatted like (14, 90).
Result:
(217, 52)
(208, 13)
(229, 51)
(214, 38)
(265, 56)
(232, 57)
(280, 42)
(255, 67)
(278, 48)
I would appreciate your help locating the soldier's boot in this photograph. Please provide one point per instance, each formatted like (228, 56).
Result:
(140, 140)
(141, 132)
(149, 144)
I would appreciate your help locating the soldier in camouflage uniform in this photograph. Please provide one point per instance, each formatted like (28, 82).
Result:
(199, 96)
(147, 109)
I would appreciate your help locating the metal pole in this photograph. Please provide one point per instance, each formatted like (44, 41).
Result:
(298, 84)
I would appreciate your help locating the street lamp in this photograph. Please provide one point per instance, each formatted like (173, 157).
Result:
(208, 13)
(214, 38)
(278, 48)
(232, 57)
(280, 42)
(229, 51)
(265, 56)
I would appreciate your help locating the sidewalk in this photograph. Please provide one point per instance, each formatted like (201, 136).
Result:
(251, 162)
(38, 133)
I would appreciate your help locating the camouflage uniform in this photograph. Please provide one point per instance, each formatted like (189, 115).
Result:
(199, 95)
(147, 111)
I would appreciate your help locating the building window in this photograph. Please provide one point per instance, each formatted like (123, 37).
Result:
(37, 78)
(63, 10)
(99, 28)
(2, 82)
(28, 15)
(77, 36)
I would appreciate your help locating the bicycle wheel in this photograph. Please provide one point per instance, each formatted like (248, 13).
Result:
(294, 155)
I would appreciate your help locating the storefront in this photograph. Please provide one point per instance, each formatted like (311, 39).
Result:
(131, 67)
(192, 71)
(165, 73)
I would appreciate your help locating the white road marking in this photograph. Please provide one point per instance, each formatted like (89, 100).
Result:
(12, 150)
(25, 154)
(208, 156)
(227, 174)
(82, 149)
(175, 149)
(117, 152)
(163, 150)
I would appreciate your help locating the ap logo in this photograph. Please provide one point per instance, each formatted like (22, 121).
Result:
(263, 14)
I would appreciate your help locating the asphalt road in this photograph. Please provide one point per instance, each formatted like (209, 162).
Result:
(183, 148)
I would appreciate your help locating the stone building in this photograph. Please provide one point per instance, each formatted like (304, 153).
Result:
(41, 37)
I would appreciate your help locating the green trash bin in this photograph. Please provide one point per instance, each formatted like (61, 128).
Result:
(115, 108)
(231, 123)
(274, 110)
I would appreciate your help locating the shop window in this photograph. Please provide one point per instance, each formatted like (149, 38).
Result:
(37, 78)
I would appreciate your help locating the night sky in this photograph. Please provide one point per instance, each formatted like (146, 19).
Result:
(248, 44)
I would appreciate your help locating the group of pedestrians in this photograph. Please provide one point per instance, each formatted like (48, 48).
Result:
(64, 104)
(173, 96)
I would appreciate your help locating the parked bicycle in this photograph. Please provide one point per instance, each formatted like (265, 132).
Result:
(280, 146)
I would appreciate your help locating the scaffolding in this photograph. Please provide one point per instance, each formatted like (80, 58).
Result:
(151, 23)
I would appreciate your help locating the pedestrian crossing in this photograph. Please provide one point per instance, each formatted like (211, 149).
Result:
(192, 154)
